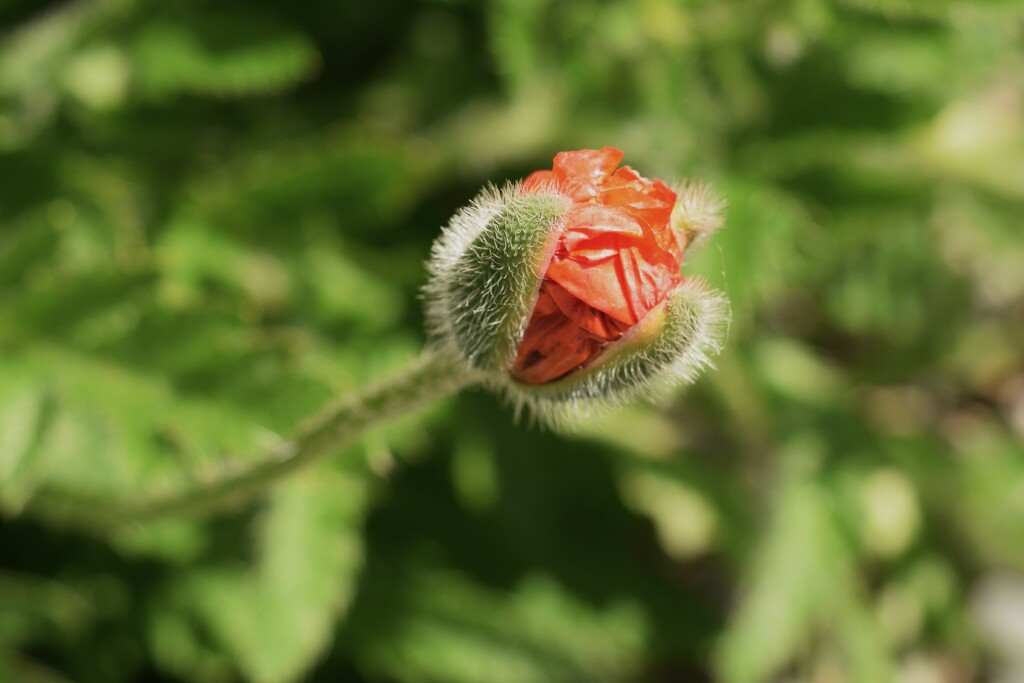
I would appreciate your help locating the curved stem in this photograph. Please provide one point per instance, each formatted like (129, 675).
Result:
(433, 376)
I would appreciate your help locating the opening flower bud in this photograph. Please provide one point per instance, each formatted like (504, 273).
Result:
(567, 288)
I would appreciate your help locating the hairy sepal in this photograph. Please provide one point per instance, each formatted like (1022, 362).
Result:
(670, 346)
(485, 273)
(697, 213)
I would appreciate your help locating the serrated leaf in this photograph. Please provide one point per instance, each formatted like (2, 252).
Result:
(111, 429)
(366, 183)
(446, 629)
(802, 584)
(941, 10)
(221, 54)
(512, 25)
(277, 618)
(25, 415)
(791, 580)
(761, 252)
(990, 495)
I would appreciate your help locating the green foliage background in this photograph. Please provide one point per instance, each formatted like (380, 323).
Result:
(213, 218)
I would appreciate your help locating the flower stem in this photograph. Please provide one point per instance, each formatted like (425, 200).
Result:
(433, 376)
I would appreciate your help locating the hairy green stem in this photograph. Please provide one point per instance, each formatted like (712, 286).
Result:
(432, 377)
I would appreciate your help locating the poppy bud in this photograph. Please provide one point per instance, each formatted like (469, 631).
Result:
(565, 290)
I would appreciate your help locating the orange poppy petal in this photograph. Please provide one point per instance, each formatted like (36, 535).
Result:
(552, 347)
(582, 172)
(611, 263)
(538, 180)
(617, 258)
(595, 164)
(600, 325)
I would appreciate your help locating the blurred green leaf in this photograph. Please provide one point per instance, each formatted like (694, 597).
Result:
(223, 53)
(802, 578)
(213, 219)
(450, 630)
(277, 619)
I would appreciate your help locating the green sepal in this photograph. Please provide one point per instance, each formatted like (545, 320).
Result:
(669, 346)
(491, 291)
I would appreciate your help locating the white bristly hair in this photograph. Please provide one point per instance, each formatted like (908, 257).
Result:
(636, 367)
(698, 211)
(485, 272)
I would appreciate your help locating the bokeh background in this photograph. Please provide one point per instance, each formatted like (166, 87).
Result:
(213, 218)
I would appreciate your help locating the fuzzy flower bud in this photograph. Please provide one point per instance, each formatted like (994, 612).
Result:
(565, 290)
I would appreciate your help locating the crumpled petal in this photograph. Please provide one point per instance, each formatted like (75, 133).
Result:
(563, 334)
(650, 202)
(592, 321)
(538, 180)
(581, 173)
(616, 259)
(613, 262)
